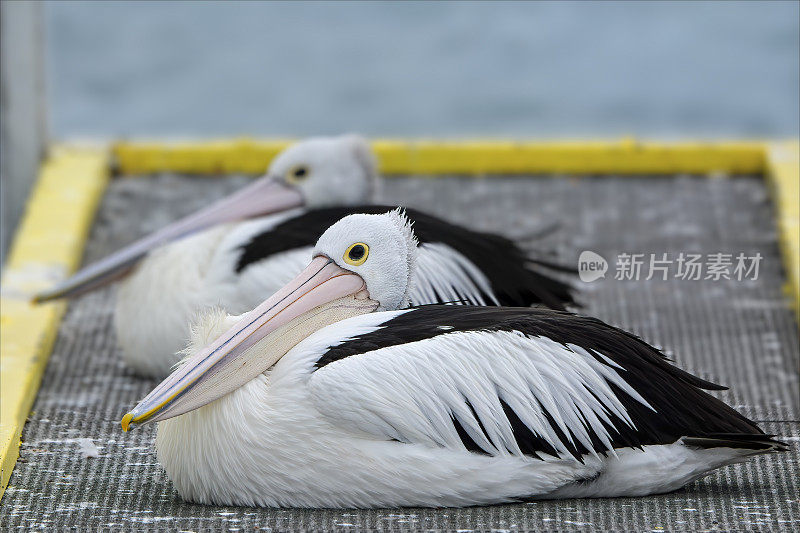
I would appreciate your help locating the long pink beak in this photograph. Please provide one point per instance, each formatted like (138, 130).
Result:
(323, 293)
(262, 197)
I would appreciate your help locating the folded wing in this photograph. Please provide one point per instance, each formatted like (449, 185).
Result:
(514, 382)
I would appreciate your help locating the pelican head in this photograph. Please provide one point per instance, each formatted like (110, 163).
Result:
(317, 172)
(328, 171)
(361, 264)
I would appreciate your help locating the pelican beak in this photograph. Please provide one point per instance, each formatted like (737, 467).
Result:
(264, 196)
(322, 294)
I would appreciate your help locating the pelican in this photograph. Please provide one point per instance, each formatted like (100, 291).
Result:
(330, 394)
(236, 265)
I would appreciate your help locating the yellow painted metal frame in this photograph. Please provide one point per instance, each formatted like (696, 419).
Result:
(48, 246)
(626, 156)
(50, 240)
(783, 173)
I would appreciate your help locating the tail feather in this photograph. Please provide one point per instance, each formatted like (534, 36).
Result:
(557, 267)
(756, 443)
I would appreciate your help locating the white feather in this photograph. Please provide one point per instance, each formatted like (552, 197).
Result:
(163, 295)
(443, 270)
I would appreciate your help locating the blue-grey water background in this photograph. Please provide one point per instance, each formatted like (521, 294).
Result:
(520, 69)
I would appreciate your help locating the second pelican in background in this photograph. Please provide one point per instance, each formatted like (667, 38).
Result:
(236, 263)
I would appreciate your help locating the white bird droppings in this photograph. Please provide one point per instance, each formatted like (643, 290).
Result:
(87, 448)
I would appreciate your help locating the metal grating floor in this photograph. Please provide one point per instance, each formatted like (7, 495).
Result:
(742, 334)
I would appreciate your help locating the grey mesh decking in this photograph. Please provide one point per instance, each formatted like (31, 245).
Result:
(742, 334)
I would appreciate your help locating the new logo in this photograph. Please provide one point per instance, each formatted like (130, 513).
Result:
(591, 266)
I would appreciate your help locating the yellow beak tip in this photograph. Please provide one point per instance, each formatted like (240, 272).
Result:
(126, 420)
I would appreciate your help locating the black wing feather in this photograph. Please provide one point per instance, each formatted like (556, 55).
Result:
(682, 408)
(516, 279)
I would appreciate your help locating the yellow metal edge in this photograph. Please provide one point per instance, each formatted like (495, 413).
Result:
(47, 246)
(436, 157)
(783, 175)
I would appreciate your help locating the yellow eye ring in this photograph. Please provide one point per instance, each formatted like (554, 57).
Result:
(356, 254)
(297, 173)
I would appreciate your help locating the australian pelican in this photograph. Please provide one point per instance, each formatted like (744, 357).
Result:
(329, 394)
(238, 265)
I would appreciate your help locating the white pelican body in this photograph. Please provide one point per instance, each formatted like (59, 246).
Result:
(237, 264)
(296, 437)
(157, 303)
(312, 399)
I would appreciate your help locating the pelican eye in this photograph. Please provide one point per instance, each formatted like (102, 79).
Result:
(356, 254)
(296, 174)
